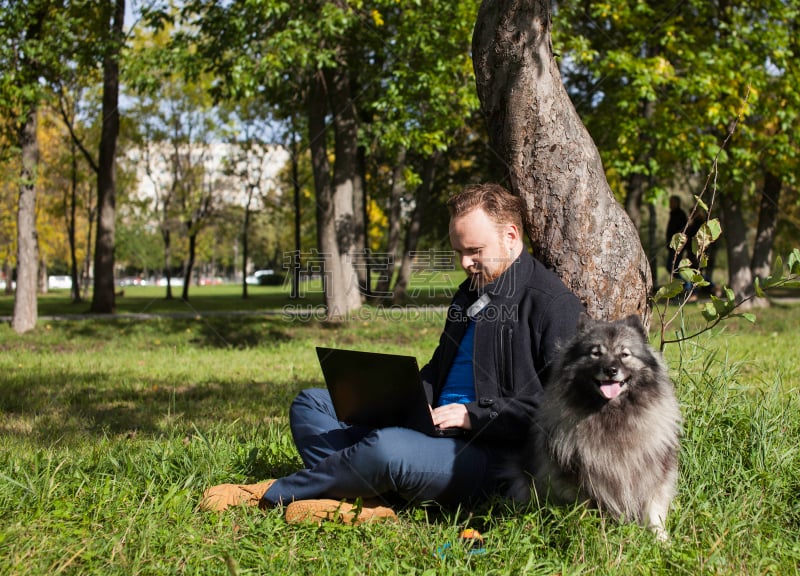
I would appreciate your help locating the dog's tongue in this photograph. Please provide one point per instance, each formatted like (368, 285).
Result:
(610, 389)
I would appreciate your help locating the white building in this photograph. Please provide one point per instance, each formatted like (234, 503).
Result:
(229, 169)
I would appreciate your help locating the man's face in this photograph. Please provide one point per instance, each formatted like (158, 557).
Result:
(486, 249)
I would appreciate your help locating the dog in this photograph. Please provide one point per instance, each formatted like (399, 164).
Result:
(607, 429)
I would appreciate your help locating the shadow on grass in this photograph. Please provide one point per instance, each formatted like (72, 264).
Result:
(221, 332)
(46, 412)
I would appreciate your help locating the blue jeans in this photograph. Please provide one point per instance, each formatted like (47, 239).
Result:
(349, 462)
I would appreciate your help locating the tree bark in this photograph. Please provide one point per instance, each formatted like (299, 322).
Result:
(71, 212)
(245, 241)
(740, 276)
(574, 223)
(346, 293)
(360, 221)
(8, 272)
(103, 298)
(298, 245)
(421, 199)
(761, 264)
(25, 304)
(187, 279)
(395, 213)
(326, 223)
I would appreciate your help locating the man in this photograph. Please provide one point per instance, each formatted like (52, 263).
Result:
(484, 378)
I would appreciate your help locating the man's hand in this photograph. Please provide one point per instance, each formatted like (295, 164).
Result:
(451, 416)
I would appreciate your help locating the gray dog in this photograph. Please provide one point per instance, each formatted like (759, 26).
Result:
(608, 427)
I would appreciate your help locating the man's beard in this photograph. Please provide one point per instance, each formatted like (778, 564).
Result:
(484, 277)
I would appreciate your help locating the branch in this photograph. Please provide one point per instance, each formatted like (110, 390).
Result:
(68, 121)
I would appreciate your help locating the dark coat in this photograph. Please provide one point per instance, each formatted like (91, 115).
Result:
(516, 339)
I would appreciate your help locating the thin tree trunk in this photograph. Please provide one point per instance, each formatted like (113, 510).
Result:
(245, 242)
(187, 278)
(761, 264)
(103, 297)
(360, 224)
(86, 275)
(8, 272)
(740, 276)
(575, 225)
(167, 236)
(25, 304)
(298, 246)
(320, 166)
(42, 275)
(422, 199)
(395, 213)
(75, 292)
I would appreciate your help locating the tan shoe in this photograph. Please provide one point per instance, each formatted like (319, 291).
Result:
(318, 511)
(223, 496)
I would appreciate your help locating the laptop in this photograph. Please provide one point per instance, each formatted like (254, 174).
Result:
(378, 390)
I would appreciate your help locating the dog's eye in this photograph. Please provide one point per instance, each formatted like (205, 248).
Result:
(596, 352)
(625, 354)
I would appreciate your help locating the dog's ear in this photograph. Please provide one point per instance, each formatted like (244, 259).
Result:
(636, 323)
(585, 321)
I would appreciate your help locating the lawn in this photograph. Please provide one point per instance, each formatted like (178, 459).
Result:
(111, 429)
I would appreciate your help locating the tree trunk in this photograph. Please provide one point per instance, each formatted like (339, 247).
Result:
(761, 264)
(25, 304)
(167, 236)
(87, 274)
(395, 214)
(75, 292)
(360, 223)
(320, 166)
(740, 276)
(421, 198)
(574, 224)
(8, 272)
(345, 292)
(298, 246)
(245, 242)
(187, 278)
(42, 275)
(103, 298)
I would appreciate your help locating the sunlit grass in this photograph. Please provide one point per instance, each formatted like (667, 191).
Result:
(111, 429)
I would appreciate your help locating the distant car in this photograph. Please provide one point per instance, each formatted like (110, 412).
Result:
(264, 278)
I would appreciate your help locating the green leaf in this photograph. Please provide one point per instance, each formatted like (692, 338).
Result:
(759, 290)
(687, 274)
(777, 268)
(670, 290)
(794, 261)
(700, 202)
(713, 228)
(677, 241)
(709, 312)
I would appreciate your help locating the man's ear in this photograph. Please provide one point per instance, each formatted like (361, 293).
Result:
(512, 234)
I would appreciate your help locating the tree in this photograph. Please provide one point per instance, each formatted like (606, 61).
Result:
(660, 88)
(552, 163)
(368, 78)
(103, 296)
(249, 164)
(28, 38)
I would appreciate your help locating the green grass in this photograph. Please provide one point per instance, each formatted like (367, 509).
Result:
(111, 429)
(220, 299)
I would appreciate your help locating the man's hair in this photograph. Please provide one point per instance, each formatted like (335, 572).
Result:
(498, 203)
